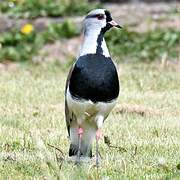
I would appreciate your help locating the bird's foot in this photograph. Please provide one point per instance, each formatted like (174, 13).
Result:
(77, 162)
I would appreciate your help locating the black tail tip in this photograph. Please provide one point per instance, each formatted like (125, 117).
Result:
(73, 150)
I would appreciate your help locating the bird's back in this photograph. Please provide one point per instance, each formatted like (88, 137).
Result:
(94, 78)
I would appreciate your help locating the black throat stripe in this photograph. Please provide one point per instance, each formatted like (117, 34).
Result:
(99, 49)
(108, 16)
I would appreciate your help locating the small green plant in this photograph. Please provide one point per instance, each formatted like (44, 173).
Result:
(34, 8)
(146, 46)
(22, 44)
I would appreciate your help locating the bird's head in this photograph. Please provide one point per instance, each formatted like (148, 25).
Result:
(100, 19)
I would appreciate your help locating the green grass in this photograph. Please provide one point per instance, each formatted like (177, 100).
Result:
(16, 46)
(125, 44)
(43, 8)
(147, 46)
(145, 122)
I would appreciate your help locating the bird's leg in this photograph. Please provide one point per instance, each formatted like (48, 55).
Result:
(80, 133)
(98, 136)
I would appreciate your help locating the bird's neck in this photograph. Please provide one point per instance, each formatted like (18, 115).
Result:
(94, 43)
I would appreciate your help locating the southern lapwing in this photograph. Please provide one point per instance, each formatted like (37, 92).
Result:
(92, 86)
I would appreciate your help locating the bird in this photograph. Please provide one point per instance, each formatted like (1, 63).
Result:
(92, 87)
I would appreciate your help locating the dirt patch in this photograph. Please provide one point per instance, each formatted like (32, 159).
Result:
(40, 23)
(137, 109)
(60, 51)
(141, 110)
(8, 66)
(142, 17)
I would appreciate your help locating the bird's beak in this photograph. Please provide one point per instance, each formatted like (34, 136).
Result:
(114, 24)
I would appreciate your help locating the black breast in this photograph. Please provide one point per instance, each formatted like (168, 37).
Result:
(94, 78)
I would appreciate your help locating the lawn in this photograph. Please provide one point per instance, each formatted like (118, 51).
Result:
(144, 126)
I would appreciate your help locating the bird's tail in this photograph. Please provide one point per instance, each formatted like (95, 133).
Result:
(85, 150)
(86, 141)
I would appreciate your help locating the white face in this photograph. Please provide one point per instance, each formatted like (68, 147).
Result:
(96, 19)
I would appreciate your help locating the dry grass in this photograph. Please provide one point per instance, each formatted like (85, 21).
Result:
(143, 129)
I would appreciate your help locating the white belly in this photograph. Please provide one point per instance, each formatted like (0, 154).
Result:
(83, 109)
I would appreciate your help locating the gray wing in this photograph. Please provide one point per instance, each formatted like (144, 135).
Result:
(68, 113)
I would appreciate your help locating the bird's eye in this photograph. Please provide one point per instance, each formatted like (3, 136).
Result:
(100, 16)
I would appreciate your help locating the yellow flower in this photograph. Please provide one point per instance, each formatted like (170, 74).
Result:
(27, 29)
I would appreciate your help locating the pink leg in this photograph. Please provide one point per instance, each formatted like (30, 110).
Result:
(80, 133)
(98, 136)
